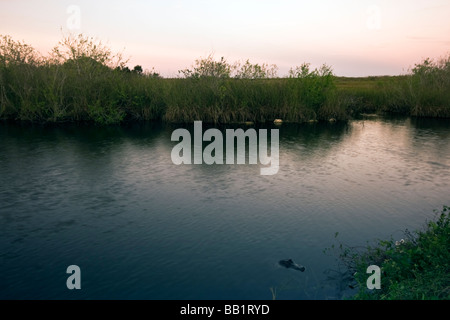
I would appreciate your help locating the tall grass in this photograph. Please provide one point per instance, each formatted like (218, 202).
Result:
(82, 80)
(429, 88)
(423, 92)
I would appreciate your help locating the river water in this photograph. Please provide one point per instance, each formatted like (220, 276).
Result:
(111, 201)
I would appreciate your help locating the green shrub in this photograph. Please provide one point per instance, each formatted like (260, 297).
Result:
(414, 268)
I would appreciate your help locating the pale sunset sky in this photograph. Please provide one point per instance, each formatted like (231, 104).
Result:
(357, 38)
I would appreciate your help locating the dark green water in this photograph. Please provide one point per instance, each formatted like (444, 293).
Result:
(111, 201)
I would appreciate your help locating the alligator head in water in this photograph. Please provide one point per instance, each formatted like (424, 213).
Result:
(288, 263)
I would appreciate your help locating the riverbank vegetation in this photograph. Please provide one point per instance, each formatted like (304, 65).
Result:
(414, 268)
(82, 80)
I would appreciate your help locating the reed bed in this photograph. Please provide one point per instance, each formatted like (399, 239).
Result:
(82, 80)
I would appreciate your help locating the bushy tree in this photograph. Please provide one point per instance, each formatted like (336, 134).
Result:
(303, 71)
(208, 68)
(433, 73)
(248, 70)
(315, 84)
(76, 47)
(16, 52)
(138, 69)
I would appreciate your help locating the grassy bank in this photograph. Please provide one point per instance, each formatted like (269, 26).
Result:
(414, 268)
(422, 93)
(82, 80)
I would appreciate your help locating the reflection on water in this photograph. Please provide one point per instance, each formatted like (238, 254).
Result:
(111, 201)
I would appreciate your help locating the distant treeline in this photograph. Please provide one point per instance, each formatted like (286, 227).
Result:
(82, 80)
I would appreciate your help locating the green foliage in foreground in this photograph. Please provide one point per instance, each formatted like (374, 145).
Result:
(82, 80)
(414, 268)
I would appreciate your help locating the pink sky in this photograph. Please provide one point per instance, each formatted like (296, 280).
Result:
(357, 38)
